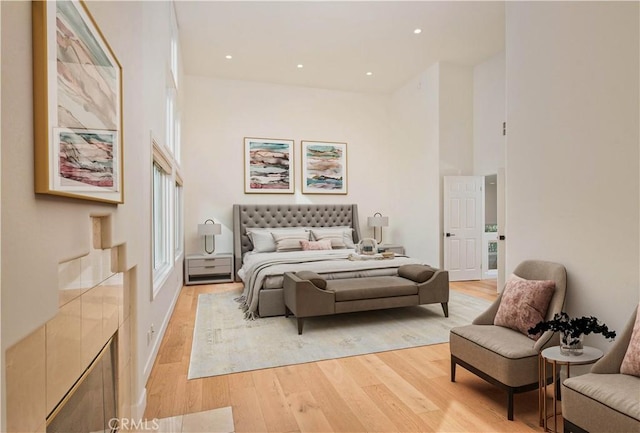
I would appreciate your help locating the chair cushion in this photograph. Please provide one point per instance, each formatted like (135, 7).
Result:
(631, 360)
(524, 304)
(417, 273)
(352, 289)
(612, 400)
(315, 279)
(502, 341)
(502, 353)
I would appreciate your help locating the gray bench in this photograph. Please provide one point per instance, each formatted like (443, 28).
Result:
(307, 294)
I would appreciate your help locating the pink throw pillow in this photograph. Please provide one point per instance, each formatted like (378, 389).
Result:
(524, 303)
(631, 362)
(316, 245)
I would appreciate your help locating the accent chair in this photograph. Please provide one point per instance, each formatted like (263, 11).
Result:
(502, 356)
(604, 400)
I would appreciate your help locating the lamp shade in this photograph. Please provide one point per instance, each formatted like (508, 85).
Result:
(378, 221)
(209, 229)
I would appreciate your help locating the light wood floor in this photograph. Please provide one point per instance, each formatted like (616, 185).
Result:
(396, 391)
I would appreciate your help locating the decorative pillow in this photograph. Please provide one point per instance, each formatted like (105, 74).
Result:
(417, 273)
(289, 241)
(631, 362)
(315, 279)
(316, 245)
(262, 238)
(524, 303)
(341, 237)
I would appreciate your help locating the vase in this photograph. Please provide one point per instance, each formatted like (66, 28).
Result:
(571, 345)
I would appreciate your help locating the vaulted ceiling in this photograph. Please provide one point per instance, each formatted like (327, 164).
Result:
(336, 43)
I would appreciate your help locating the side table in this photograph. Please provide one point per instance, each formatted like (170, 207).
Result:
(552, 355)
(208, 268)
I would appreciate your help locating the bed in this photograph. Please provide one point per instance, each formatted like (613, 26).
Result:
(262, 270)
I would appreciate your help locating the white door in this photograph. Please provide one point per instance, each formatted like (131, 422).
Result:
(502, 228)
(463, 219)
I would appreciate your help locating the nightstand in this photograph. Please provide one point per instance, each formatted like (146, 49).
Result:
(208, 268)
(398, 249)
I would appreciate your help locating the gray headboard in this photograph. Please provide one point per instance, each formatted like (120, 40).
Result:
(288, 215)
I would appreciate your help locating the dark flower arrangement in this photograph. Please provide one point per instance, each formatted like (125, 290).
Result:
(575, 327)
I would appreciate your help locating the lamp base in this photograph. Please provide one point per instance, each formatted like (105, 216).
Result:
(213, 245)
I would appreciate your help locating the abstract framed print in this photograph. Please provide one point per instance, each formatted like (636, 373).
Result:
(324, 167)
(268, 166)
(77, 105)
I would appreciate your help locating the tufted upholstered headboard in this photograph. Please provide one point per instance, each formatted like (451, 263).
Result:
(288, 215)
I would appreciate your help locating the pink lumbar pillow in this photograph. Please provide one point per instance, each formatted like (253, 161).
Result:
(631, 362)
(524, 303)
(316, 245)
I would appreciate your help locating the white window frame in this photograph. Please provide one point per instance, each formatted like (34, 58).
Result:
(171, 119)
(174, 48)
(178, 216)
(162, 217)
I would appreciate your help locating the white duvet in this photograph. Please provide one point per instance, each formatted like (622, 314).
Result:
(260, 270)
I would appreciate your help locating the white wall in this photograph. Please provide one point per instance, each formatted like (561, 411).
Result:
(40, 231)
(456, 120)
(220, 113)
(573, 149)
(455, 129)
(415, 179)
(488, 114)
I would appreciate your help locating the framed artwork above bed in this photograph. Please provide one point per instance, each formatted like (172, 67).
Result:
(324, 167)
(268, 166)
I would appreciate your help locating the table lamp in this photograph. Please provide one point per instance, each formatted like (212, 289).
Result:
(377, 221)
(209, 228)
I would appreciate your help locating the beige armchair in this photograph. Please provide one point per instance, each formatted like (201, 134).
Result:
(503, 357)
(604, 400)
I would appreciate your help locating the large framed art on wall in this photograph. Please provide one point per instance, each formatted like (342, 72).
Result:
(77, 105)
(324, 167)
(268, 166)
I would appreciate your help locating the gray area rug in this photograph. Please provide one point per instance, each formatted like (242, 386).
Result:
(223, 342)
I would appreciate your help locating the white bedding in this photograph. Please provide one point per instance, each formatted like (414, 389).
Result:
(266, 270)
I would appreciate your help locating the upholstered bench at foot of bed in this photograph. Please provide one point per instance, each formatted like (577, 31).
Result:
(307, 294)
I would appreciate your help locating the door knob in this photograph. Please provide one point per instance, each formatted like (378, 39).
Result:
(449, 235)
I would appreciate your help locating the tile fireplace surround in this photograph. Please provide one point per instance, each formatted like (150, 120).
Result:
(94, 306)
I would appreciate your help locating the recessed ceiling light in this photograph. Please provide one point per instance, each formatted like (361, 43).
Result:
(228, 57)
(369, 73)
(300, 66)
(417, 31)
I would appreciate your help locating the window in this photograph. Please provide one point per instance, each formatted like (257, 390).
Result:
(161, 216)
(174, 47)
(171, 119)
(178, 142)
(178, 217)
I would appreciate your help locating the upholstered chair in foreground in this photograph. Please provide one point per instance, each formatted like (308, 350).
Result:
(506, 357)
(608, 398)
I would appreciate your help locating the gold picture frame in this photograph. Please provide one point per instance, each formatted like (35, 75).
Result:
(324, 167)
(268, 166)
(77, 93)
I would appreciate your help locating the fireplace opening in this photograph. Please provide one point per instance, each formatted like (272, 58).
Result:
(90, 405)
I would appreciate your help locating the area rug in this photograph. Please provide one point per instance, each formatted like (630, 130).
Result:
(224, 342)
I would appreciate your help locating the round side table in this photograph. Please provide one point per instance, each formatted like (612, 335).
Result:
(552, 355)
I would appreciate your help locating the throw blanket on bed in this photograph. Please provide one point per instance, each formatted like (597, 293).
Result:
(262, 265)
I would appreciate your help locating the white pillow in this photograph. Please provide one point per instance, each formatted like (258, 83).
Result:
(290, 240)
(341, 237)
(262, 238)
